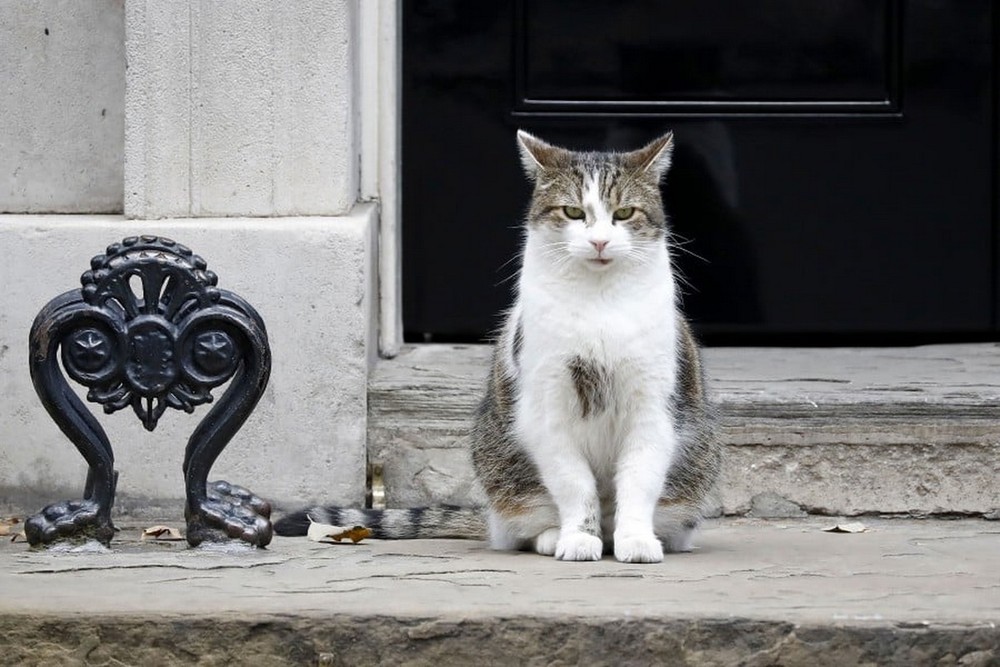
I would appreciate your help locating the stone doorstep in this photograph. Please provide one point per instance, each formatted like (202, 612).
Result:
(835, 431)
(755, 592)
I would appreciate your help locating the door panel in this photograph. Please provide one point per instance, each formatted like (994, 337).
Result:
(717, 54)
(833, 176)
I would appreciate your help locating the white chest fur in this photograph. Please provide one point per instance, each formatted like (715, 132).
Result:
(620, 324)
(616, 317)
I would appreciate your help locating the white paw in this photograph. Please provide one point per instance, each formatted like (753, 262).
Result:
(638, 548)
(545, 543)
(579, 546)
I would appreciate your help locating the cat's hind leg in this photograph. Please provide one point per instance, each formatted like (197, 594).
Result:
(531, 526)
(676, 524)
(546, 541)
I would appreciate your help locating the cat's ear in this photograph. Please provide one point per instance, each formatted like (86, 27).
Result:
(536, 155)
(653, 158)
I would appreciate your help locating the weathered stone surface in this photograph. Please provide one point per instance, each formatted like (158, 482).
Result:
(515, 641)
(755, 592)
(241, 108)
(836, 431)
(770, 505)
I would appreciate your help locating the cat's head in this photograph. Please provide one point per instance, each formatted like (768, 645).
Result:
(596, 209)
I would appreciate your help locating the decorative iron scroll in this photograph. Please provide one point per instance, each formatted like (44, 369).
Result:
(149, 329)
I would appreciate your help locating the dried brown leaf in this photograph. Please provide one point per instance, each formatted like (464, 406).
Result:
(162, 533)
(354, 534)
(324, 532)
(7, 525)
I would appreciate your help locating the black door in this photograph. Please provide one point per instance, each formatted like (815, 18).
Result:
(834, 178)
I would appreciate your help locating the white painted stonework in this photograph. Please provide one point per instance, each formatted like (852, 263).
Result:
(262, 134)
(241, 108)
(62, 88)
(311, 279)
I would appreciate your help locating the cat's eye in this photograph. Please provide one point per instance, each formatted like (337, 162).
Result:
(573, 212)
(624, 213)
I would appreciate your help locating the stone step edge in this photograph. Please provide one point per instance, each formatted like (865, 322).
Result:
(842, 432)
(335, 639)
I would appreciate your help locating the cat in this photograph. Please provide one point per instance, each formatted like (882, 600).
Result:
(596, 433)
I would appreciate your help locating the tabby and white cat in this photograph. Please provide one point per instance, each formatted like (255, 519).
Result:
(595, 432)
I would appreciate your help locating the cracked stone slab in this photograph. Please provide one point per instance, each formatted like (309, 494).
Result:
(755, 592)
(908, 571)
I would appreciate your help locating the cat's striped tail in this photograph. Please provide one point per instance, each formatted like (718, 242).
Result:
(441, 521)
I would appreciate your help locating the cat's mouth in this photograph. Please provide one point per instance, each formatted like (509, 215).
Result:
(602, 261)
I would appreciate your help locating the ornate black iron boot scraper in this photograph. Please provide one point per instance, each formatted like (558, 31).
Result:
(149, 330)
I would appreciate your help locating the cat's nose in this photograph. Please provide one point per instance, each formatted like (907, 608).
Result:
(599, 245)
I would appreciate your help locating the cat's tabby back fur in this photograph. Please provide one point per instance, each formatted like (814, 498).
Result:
(595, 432)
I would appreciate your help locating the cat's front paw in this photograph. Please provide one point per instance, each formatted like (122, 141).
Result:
(579, 546)
(545, 543)
(638, 548)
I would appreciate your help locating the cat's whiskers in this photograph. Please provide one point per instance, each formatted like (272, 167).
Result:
(514, 274)
(638, 256)
(682, 280)
(556, 250)
(679, 243)
(551, 245)
(513, 258)
(675, 242)
(556, 254)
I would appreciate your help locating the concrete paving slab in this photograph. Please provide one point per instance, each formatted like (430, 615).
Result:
(754, 592)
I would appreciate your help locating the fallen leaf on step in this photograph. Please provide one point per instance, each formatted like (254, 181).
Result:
(324, 532)
(19, 536)
(163, 533)
(853, 527)
(8, 526)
